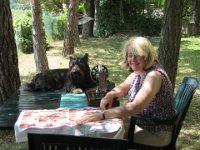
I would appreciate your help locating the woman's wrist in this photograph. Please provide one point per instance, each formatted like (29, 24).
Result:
(103, 116)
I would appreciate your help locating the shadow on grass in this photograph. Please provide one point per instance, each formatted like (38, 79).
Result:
(26, 79)
(189, 137)
(108, 52)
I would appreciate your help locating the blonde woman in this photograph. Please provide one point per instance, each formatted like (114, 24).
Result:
(149, 93)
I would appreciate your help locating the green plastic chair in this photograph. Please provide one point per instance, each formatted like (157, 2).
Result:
(182, 101)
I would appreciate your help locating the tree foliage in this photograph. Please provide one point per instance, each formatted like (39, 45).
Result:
(23, 32)
(108, 18)
(23, 27)
(54, 5)
(187, 10)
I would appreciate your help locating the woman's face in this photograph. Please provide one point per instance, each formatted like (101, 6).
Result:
(136, 63)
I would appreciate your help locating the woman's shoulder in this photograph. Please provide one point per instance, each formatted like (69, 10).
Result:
(130, 78)
(153, 73)
(132, 75)
(157, 69)
(153, 76)
(159, 73)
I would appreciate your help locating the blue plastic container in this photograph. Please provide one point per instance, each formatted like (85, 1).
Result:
(73, 101)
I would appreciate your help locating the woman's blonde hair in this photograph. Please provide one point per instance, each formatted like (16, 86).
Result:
(139, 46)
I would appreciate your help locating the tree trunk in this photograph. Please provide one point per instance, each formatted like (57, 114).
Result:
(196, 15)
(77, 39)
(97, 8)
(38, 37)
(87, 30)
(9, 71)
(121, 11)
(69, 37)
(171, 37)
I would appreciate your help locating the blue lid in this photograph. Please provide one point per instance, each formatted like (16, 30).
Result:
(73, 100)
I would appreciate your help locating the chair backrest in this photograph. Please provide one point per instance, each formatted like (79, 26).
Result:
(70, 142)
(185, 93)
(182, 101)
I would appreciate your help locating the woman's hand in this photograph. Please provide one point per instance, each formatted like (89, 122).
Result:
(90, 117)
(106, 101)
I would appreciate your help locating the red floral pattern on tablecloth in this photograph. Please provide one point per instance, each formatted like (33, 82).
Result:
(55, 118)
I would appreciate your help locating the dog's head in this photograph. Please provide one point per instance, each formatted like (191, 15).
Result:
(79, 69)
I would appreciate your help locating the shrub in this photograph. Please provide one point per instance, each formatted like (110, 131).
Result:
(58, 26)
(108, 19)
(23, 31)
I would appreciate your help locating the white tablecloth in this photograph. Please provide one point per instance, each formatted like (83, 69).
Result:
(62, 121)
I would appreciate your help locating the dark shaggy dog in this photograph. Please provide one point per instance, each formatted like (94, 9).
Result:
(75, 79)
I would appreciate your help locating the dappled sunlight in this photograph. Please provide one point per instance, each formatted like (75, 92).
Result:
(26, 64)
(108, 52)
(185, 70)
(5, 141)
(190, 131)
(189, 57)
(198, 92)
(189, 137)
(55, 60)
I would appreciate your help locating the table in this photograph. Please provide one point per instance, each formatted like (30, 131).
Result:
(63, 121)
(26, 100)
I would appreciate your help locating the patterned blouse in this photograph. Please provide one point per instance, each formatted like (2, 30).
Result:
(161, 107)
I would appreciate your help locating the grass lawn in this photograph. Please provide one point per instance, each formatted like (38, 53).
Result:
(108, 52)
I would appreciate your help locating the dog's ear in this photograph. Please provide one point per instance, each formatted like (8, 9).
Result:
(70, 58)
(70, 61)
(85, 57)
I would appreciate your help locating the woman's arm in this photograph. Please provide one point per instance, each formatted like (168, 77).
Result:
(150, 87)
(117, 92)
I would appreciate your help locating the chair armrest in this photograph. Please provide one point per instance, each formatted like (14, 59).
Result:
(147, 119)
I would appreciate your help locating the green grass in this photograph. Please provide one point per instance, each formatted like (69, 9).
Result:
(108, 52)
